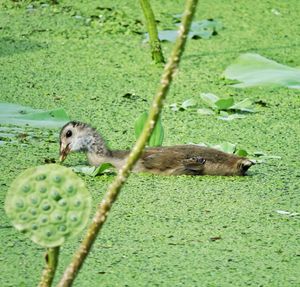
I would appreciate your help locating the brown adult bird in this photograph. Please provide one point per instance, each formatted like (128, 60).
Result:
(169, 160)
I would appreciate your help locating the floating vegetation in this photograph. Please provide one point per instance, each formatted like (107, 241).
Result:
(254, 70)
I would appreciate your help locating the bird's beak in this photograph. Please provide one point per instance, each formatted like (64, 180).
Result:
(64, 151)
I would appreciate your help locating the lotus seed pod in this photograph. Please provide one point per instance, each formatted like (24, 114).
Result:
(50, 203)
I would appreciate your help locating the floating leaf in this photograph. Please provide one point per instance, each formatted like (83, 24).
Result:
(254, 70)
(243, 106)
(209, 99)
(207, 112)
(225, 106)
(275, 12)
(20, 115)
(157, 136)
(227, 117)
(174, 107)
(184, 106)
(101, 168)
(225, 147)
(270, 157)
(188, 103)
(224, 103)
(87, 170)
(92, 170)
(283, 212)
(166, 35)
(204, 29)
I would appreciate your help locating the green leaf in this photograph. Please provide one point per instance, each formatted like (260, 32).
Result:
(225, 147)
(241, 152)
(84, 169)
(21, 115)
(184, 106)
(243, 106)
(174, 107)
(188, 103)
(210, 99)
(92, 170)
(139, 124)
(206, 112)
(101, 168)
(224, 103)
(157, 136)
(254, 70)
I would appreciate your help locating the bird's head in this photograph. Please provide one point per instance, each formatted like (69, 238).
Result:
(71, 138)
(79, 137)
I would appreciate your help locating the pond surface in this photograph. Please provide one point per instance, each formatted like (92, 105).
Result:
(87, 58)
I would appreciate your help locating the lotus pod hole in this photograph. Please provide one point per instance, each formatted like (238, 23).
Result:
(49, 203)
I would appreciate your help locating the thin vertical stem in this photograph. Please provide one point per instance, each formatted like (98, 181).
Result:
(51, 265)
(115, 188)
(156, 51)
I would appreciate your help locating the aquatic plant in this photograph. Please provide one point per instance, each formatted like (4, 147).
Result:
(48, 203)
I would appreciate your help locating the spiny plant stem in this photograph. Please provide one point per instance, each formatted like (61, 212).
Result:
(114, 189)
(51, 264)
(156, 51)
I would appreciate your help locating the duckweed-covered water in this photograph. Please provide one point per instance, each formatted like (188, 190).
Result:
(90, 59)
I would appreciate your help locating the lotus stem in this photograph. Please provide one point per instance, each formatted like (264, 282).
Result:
(115, 187)
(156, 50)
(51, 265)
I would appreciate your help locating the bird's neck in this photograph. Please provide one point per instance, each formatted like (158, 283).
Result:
(94, 144)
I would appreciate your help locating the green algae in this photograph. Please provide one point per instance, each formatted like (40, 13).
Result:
(160, 231)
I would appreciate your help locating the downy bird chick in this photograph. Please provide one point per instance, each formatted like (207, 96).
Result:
(168, 160)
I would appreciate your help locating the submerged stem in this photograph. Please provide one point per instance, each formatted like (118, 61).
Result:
(51, 264)
(114, 189)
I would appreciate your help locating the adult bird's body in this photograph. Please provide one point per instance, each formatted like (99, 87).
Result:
(171, 160)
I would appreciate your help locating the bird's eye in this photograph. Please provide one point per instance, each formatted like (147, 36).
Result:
(69, 133)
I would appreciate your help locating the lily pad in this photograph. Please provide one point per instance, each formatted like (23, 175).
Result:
(243, 106)
(204, 29)
(206, 112)
(18, 115)
(255, 70)
(225, 147)
(184, 106)
(210, 99)
(225, 106)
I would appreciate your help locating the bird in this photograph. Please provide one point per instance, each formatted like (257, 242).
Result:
(189, 159)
